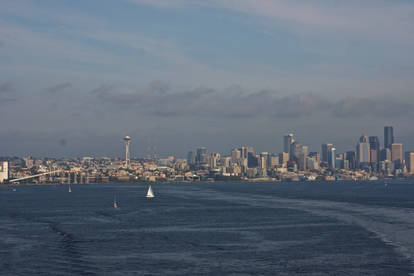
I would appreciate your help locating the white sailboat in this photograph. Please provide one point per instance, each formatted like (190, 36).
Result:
(70, 189)
(115, 204)
(150, 194)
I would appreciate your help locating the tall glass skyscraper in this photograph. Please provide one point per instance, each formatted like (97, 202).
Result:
(374, 146)
(287, 142)
(388, 137)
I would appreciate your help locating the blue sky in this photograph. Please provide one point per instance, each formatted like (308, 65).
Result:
(213, 73)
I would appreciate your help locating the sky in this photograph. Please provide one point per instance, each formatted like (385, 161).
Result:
(77, 76)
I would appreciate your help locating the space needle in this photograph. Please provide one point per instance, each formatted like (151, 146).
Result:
(127, 160)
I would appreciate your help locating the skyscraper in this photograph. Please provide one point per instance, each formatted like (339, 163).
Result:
(332, 157)
(388, 137)
(350, 156)
(409, 161)
(397, 154)
(288, 139)
(190, 158)
(374, 146)
(385, 154)
(201, 156)
(325, 152)
(363, 151)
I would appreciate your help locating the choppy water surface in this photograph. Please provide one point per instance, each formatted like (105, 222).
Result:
(342, 228)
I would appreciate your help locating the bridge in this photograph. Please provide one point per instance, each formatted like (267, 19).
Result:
(47, 173)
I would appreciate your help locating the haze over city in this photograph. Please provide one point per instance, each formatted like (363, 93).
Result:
(77, 76)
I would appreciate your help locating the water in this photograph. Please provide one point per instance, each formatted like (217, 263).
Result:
(340, 228)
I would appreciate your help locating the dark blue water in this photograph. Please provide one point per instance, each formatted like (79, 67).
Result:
(341, 228)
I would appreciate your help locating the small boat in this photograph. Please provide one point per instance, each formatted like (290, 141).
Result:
(13, 189)
(70, 189)
(150, 194)
(115, 204)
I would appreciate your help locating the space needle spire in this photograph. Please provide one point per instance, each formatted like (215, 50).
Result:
(127, 160)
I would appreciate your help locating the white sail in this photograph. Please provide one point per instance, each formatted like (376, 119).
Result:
(150, 194)
(70, 189)
(115, 204)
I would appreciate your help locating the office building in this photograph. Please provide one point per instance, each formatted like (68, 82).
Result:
(409, 161)
(332, 158)
(397, 154)
(374, 146)
(385, 154)
(235, 155)
(201, 156)
(288, 140)
(350, 156)
(363, 151)
(388, 137)
(325, 151)
(283, 159)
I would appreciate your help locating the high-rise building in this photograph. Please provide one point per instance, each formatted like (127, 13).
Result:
(264, 160)
(288, 139)
(190, 158)
(350, 156)
(332, 157)
(235, 155)
(201, 156)
(385, 154)
(4, 171)
(316, 156)
(397, 154)
(274, 161)
(374, 146)
(325, 152)
(388, 137)
(363, 151)
(283, 159)
(252, 160)
(409, 161)
(243, 152)
(213, 160)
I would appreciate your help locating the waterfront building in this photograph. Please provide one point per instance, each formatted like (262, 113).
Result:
(4, 171)
(388, 137)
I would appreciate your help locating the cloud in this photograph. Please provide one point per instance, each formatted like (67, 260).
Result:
(58, 88)
(377, 106)
(208, 102)
(367, 19)
(7, 91)
(6, 87)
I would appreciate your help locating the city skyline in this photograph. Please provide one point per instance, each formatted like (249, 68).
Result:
(76, 76)
(287, 141)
